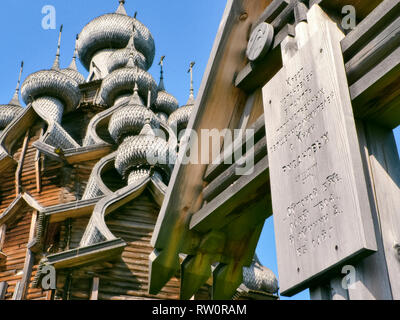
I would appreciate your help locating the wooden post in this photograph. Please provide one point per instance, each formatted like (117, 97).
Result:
(3, 290)
(29, 260)
(95, 289)
(21, 164)
(378, 276)
(3, 229)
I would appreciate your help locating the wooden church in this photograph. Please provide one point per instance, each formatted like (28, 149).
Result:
(78, 193)
(96, 202)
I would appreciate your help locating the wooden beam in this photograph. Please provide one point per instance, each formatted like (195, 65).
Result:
(17, 291)
(28, 264)
(86, 255)
(94, 295)
(378, 276)
(3, 290)
(378, 20)
(215, 169)
(246, 190)
(3, 229)
(226, 178)
(217, 92)
(18, 172)
(363, 8)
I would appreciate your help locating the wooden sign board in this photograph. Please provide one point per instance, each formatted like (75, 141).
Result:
(321, 209)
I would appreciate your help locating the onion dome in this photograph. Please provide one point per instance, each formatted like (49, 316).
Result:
(130, 119)
(9, 111)
(123, 80)
(180, 118)
(72, 70)
(52, 83)
(113, 31)
(143, 152)
(259, 278)
(120, 57)
(165, 103)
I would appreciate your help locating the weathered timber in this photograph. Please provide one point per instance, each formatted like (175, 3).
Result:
(215, 169)
(95, 289)
(216, 91)
(3, 290)
(372, 64)
(229, 176)
(363, 8)
(86, 255)
(314, 168)
(21, 163)
(247, 189)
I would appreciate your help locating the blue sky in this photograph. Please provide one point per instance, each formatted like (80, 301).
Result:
(184, 31)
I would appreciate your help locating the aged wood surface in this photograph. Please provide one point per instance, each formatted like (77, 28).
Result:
(217, 91)
(311, 135)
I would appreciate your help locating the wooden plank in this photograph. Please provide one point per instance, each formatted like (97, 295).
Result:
(3, 290)
(363, 8)
(95, 289)
(21, 163)
(319, 192)
(17, 291)
(372, 25)
(246, 190)
(215, 169)
(3, 229)
(229, 176)
(271, 12)
(376, 95)
(377, 275)
(374, 51)
(216, 91)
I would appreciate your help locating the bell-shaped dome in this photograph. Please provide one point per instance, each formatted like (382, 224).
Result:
(166, 103)
(123, 80)
(113, 31)
(130, 119)
(179, 119)
(54, 83)
(120, 58)
(144, 150)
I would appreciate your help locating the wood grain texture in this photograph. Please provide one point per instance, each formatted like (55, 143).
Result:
(311, 135)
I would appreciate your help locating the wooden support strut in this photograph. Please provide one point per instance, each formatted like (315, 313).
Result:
(18, 172)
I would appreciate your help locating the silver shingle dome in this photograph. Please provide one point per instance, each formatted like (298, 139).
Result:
(54, 83)
(166, 103)
(51, 83)
(130, 119)
(120, 58)
(123, 80)
(113, 31)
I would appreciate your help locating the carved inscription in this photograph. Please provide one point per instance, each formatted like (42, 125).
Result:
(313, 176)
